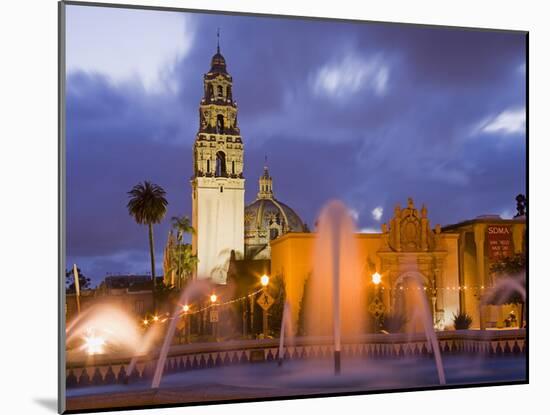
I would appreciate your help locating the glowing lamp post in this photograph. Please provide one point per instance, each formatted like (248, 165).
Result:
(264, 281)
(214, 316)
(377, 306)
(185, 309)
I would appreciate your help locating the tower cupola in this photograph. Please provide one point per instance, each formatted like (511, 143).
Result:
(265, 185)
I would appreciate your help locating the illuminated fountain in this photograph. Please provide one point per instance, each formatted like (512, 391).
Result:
(334, 314)
(335, 306)
(423, 313)
(286, 333)
(507, 289)
(194, 289)
(335, 301)
(103, 328)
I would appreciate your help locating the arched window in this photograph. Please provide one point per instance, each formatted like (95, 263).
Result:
(273, 234)
(208, 166)
(221, 170)
(219, 123)
(233, 167)
(220, 91)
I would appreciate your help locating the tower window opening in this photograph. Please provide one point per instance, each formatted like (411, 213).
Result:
(221, 170)
(220, 91)
(221, 189)
(233, 167)
(208, 166)
(219, 123)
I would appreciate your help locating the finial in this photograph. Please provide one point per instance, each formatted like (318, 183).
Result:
(218, 34)
(265, 162)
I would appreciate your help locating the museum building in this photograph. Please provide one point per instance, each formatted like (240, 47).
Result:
(234, 241)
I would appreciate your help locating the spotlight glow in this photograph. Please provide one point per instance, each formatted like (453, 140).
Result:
(264, 280)
(213, 298)
(376, 278)
(93, 344)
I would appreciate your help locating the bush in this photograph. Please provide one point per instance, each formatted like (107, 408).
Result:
(462, 321)
(393, 323)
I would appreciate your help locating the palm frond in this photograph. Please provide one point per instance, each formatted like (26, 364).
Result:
(148, 203)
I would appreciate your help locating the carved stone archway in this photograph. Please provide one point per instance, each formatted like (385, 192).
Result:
(409, 249)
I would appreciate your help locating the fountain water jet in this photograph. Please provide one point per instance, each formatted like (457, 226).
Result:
(505, 289)
(107, 322)
(286, 332)
(196, 287)
(336, 277)
(427, 322)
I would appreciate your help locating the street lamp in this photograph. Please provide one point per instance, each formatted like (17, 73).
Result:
(264, 280)
(185, 309)
(214, 316)
(377, 306)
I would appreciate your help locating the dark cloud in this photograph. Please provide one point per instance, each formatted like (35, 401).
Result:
(416, 137)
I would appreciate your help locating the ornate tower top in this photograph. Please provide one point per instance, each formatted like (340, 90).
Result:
(266, 184)
(218, 148)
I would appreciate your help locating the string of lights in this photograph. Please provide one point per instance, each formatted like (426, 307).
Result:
(186, 308)
(454, 288)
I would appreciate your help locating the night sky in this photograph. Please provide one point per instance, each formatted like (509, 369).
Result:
(368, 113)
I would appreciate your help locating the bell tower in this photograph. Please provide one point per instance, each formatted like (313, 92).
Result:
(218, 182)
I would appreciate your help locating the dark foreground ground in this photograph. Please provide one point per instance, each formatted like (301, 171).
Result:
(298, 378)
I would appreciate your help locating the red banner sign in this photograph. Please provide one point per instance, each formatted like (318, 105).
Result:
(499, 239)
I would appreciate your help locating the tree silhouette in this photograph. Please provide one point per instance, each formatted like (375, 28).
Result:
(70, 287)
(147, 205)
(521, 205)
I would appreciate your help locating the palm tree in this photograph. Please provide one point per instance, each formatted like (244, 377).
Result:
(185, 259)
(147, 205)
(182, 225)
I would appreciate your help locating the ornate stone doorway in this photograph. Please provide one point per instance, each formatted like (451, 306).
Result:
(413, 257)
